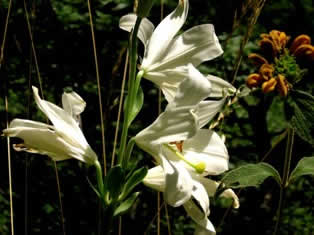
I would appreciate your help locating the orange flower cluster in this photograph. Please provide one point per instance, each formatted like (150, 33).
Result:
(274, 45)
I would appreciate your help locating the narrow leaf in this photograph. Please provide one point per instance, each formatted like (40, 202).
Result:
(250, 175)
(114, 182)
(134, 180)
(126, 205)
(138, 103)
(304, 167)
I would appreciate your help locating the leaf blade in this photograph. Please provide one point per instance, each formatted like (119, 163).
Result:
(250, 175)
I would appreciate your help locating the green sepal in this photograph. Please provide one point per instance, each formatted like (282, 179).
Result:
(304, 167)
(250, 175)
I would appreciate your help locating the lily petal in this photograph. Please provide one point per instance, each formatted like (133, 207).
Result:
(179, 183)
(145, 31)
(172, 125)
(41, 138)
(220, 87)
(206, 146)
(195, 46)
(73, 104)
(200, 195)
(207, 110)
(199, 230)
(195, 82)
(64, 124)
(164, 33)
(198, 216)
(155, 178)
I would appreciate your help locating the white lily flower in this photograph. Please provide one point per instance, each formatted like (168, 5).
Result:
(156, 179)
(178, 123)
(62, 140)
(166, 53)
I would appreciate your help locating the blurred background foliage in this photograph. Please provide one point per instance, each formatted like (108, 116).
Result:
(62, 38)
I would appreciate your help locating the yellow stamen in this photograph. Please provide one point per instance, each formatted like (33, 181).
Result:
(199, 167)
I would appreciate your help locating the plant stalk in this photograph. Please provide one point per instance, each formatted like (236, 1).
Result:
(132, 90)
(285, 177)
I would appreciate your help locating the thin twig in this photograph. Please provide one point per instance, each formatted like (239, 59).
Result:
(258, 6)
(9, 166)
(153, 219)
(5, 33)
(98, 87)
(60, 199)
(42, 93)
(120, 108)
(7, 117)
(168, 219)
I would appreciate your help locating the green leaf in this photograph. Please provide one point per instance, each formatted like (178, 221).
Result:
(114, 182)
(304, 167)
(250, 175)
(301, 125)
(137, 106)
(305, 102)
(133, 180)
(125, 206)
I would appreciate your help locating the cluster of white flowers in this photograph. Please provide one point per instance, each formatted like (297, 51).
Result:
(185, 152)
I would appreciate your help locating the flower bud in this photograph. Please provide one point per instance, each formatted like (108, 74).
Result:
(257, 59)
(266, 71)
(298, 41)
(269, 86)
(282, 85)
(306, 51)
(254, 80)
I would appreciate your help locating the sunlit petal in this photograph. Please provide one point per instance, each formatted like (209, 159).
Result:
(163, 34)
(146, 28)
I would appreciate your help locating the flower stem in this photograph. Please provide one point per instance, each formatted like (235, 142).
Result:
(285, 177)
(100, 180)
(133, 85)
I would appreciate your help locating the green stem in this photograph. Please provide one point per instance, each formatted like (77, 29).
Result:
(132, 90)
(128, 152)
(285, 177)
(100, 180)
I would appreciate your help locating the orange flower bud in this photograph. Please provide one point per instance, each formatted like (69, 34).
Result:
(282, 85)
(254, 80)
(305, 50)
(279, 39)
(268, 46)
(269, 86)
(266, 71)
(300, 40)
(257, 59)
